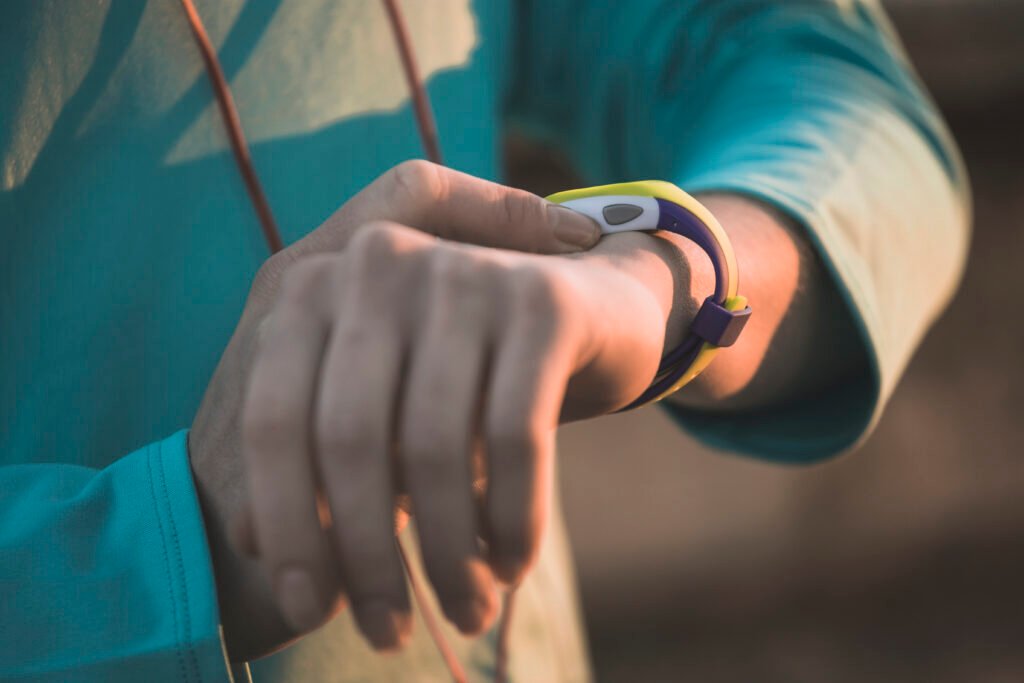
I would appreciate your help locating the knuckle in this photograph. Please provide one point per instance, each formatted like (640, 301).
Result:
(536, 289)
(522, 209)
(346, 438)
(265, 334)
(452, 271)
(376, 240)
(417, 181)
(355, 337)
(306, 279)
(264, 421)
(268, 277)
(546, 298)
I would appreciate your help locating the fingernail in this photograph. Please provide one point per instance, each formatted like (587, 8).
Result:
(298, 599)
(385, 627)
(471, 616)
(573, 228)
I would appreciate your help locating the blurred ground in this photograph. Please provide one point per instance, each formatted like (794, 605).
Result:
(901, 562)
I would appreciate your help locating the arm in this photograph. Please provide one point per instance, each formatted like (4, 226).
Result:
(391, 366)
(789, 284)
(104, 574)
(807, 116)
(349, 284)
(123, 573)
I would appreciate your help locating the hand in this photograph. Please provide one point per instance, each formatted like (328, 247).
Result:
(430, 198)
(379, 368)
(431, 351)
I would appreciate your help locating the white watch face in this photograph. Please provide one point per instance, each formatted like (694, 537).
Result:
(619, 213)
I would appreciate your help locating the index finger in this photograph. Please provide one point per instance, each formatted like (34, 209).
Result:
(458, 207)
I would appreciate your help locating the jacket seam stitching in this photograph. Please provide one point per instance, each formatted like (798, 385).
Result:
(167, 567)
(182, 576)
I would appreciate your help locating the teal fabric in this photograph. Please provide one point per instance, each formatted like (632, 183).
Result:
(106, 570)
(129, 246)
(809, 105)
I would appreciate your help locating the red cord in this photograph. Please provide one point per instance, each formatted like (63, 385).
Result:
(233, 124)
(501, 649)
(447, 654)
(420, 99)
(428, 134)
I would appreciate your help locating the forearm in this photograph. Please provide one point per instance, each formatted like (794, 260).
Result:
(812, 108)
(800, 336)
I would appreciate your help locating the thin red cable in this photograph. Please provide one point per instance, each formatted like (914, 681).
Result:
(233, 124)
(504, 626)
(427, 126)
(420, 99)
(428, 134)
(447, 654)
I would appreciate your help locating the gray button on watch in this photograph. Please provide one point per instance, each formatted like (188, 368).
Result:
(617, 214)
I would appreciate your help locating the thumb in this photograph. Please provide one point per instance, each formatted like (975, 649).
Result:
(459, 207)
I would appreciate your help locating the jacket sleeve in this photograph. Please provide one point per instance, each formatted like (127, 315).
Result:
(809, 105)
(105, 574)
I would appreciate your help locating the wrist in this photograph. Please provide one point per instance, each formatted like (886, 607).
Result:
(640, 292)
(252, 627)
(673, 271)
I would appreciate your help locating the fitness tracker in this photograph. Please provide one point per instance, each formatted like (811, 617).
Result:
(651, 205)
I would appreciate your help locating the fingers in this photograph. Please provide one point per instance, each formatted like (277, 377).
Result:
(531, 369)
(276, 442)
(440, 413)
(354, 428)
(458, 207)
(431, 346)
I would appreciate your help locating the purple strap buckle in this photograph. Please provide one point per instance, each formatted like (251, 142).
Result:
(717, 325)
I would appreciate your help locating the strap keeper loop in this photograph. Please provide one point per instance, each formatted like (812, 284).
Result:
(717, 325)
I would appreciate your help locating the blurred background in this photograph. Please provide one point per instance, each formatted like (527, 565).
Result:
(903, 561)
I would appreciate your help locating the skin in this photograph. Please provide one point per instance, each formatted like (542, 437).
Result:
(375, 364)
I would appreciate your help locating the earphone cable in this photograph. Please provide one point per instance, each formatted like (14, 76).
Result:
(233, 124)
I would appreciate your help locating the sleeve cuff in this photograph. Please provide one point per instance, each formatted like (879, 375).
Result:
(817, 426)
(201, 654)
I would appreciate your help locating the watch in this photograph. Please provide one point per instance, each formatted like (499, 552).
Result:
(651, 205)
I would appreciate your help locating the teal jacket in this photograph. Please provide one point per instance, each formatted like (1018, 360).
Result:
(129, 243)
